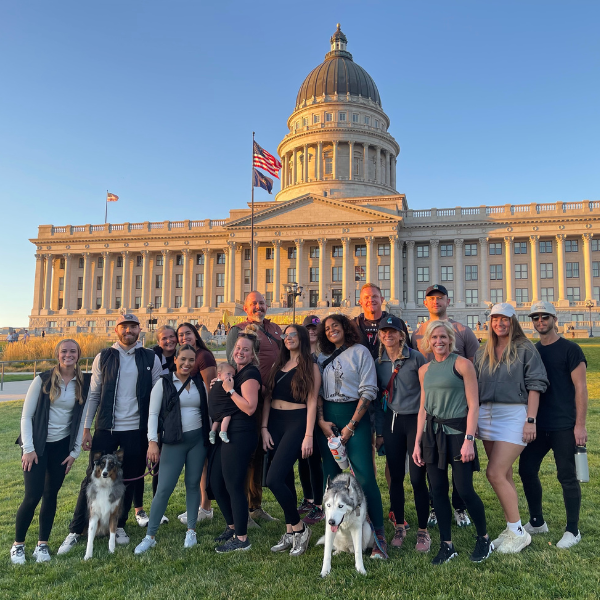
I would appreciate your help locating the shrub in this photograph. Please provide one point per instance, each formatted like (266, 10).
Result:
(39, 348)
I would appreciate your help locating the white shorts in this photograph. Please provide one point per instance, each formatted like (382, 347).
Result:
(502, 422)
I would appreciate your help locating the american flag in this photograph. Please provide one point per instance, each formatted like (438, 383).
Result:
(263, 160)
(111, 197)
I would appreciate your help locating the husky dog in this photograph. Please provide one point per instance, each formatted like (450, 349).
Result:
(105, 493)
(346, 528)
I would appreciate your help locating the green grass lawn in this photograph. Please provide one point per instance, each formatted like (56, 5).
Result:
(169, 571)
(17, 377)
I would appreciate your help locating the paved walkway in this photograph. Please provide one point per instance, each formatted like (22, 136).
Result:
(14, 390)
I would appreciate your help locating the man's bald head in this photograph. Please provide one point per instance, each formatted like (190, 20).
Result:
(255, 306)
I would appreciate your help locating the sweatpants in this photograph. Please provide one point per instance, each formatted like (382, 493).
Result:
(191, 453)
(229, 467)
(287, 428)
(562, 443)
(134, 462)
(42, 483)
(310, 471)
(463, 480)
(397, 442)
(360, 453)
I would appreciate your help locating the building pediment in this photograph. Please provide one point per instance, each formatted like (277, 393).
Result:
(309, 210)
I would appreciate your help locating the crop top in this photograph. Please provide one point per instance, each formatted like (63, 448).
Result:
(282, 390)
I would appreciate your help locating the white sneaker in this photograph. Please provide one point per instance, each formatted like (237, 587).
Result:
(17, 554)
(68, 544)
(462, 518)
(164, 519)
(532, 529)
(142, 518)
(145, 545)
(568, 540)
(500, 539)
(183, 517)
(513, 543)
(122, 538)
(190, 539)
(205, 514)
(41, 553)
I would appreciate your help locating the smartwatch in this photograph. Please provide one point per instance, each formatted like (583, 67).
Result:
(230, 392)
(469, 438)
(531, 420)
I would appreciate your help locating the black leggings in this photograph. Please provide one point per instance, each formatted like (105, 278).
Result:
(138, 486)
(229, 467)
(310, 471)
(287, 428)
(463, 481)
(563, 445)
(42, 483)
(397, 442)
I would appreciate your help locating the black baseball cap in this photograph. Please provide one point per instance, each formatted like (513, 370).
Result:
(311, 320)
(436, 287)
(390, 322)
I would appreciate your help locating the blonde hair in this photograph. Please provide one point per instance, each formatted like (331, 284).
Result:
(251, 333)
(222, 366)
(382, 347)
(509, 354)
(164, 328)
(431, 325)
(52, 387)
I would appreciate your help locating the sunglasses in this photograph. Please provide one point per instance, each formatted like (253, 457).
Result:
(291, 334)
(536, 318)
(250, 336)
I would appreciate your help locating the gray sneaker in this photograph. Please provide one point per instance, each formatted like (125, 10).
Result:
(17, 554)
(122, 538)
(145, 545)
(532, 529)
(285, 543)
(252, 524)
(41, 553)
(259, 513)
(300, 542)
(68, 544)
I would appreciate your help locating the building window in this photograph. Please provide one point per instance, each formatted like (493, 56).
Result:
(246, 276)
(60, 303)
(385, 294)
(247, 254)
(470, 249)
(571, 246)
(404, 251)
(177, 301)
(496, 296)
(336, 297)
(404, 275)
(80, 303)
(119, 262)
(336, 273)
(447, 273)
(81, 260)
(342, 116)
(316, 119)
(360, 250)
(447, 250)
(367, 120)
(545, 247)
(314, 251)
(269, 275)
(328, 159)
(80, 283)
(356, 297)
(61, 263)
(520, 271)
(548, 294)
(269, 298)
(158, 282)
(269, 252)
(596, 294)
(61, 283)
(360, 273)
(220, 279)
(595, 245)
(495, 272)
(200, 280)
(157, 301)
(179, 281)
(100, 262)
(219, 300)
(71, 323)
(596, 269)
(98, 303)
(546, 271)
(337, 251)
(573, 293)
(422, 274)
(376, 124)
(472, 321)
(471, 272)
(138, 282)
(472, 296)
(291, 275)
(495, 248)
(118, 302)
(383, 272)
(313, 298)
(328, 117)
(220, 258)
(572, 269)
(291, 252)
(99, 283)
(520, 247)
(383, 249)
(314, 274)
(200, 258)
(304, 121)
(422, 251)
(199, 298)
(355, 117)
(421, 297)
(577, 317)
(91, 324)
(159, 260)
(139, 260)
(522, 294)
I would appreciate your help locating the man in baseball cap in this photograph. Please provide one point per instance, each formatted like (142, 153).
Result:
(560, 424)
(128, 318)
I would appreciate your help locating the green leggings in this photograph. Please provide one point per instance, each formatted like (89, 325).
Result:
(360, 453)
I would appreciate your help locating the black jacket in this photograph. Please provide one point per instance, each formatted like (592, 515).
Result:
(373, 345)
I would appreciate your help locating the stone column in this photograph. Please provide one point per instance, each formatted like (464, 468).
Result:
(145, 278)
(587, 265)
(207, 290)
(535, 289)
(255, 263)
(560, 255)
(365, 162)
(369, 239)
(393, 171)
(345, 256)
(87, 272)
(388, 166)
(351, 151)
(322, 268)
(384, 175)
(226, 282)
(459, 287)
(231, 276)
(125, 283)
(39, 283)
(319, 162)
(66, 286)
(508, 240)
(284, 170)
(410, 274)
(48, 283)
(165, 287)
(295, 166)
(435, 262)
(394, 276)
(185, 298)
(377, 164)
(276, 274)
(305, 164)
(485, 275)
(105, 280)
(299, 269)
(335, 160)
(240, 250)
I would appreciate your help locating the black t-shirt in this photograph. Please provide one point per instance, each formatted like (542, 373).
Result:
(557, 403)
(368, 333)
(241, 420)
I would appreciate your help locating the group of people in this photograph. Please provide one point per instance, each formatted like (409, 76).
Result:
(280, 398)
(14, 337)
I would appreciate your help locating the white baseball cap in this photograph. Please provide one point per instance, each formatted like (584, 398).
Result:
(542, 307)
(503, 308)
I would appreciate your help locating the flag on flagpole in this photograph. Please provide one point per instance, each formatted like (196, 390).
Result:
(263, 160)
(260, 180)
(111, 197)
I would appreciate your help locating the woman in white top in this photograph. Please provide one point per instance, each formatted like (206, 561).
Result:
(51, 432)
(181, 401)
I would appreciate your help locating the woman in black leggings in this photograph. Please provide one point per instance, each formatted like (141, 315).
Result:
(288, 423)
(229, 463)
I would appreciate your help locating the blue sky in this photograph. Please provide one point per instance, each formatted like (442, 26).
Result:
(491, 102)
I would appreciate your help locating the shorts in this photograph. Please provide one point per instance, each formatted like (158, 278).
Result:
(502, 422)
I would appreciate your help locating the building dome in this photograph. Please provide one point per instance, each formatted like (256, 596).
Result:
(338, 74)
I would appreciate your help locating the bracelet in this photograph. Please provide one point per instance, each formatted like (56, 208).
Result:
(349, 428)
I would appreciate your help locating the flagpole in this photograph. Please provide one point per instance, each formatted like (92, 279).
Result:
(252, 223)
(106, 208)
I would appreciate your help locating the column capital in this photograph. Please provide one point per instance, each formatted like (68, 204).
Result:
(436, 243)
(459, 242)
(67, 255)
(145, 253)
(586, 237)
(410, 244)
(185, 251)
(50, 256)
(483, 241)
(345, 240)
(86, 254)
(369, 238)
(533, 239)
(205, 251)
(322, 241)
(39, 256)
(299, 242)
(561, 237)
(105, 255)
(232, 246)
(126, 252)
(276, 243)
(164, 252)
(393, 239)
(255, 243)
(508, 239)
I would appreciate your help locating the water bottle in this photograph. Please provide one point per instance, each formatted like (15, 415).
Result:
(581, 464)
(339, 452)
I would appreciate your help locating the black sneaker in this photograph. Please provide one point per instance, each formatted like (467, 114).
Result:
(233, 544)
(446, 553)
(226, 535)
(483, 548)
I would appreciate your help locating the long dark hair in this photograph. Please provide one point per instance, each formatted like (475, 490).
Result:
(351, 335)
(199, 342)
(303, 380)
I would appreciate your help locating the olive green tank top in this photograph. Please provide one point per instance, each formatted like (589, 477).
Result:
(444, 392)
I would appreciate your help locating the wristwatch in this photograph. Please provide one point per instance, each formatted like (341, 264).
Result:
(470, 438)
(531, 420)
(230, 392)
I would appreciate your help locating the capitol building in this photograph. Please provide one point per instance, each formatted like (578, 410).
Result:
(337, 222)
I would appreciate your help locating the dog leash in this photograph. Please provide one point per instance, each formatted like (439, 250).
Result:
(152, 470)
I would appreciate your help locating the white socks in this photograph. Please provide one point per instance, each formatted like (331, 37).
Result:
(516, 528)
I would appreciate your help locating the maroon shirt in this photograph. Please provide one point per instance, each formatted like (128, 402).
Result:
(204, 360)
